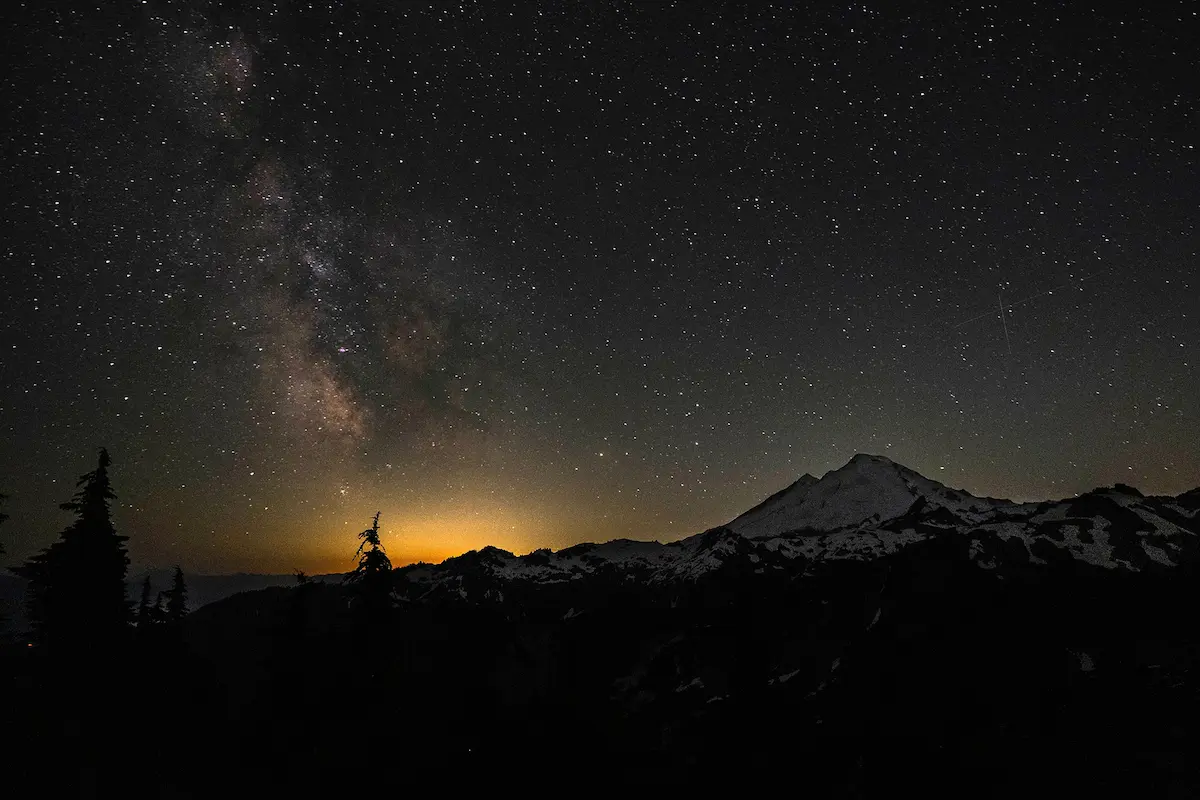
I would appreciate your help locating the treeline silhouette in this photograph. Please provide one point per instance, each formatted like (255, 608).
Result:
(102, 696)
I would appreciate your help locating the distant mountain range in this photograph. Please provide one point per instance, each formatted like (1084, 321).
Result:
(205, 589)
(869, 508)
(202, 590)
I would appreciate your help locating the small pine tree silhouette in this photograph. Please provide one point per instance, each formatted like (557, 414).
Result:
(3, 517)
(177, 597)
(143, 611)
(77, 584)
(158, 612)
(371, 578)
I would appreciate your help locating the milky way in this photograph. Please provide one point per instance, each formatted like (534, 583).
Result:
(533, 274)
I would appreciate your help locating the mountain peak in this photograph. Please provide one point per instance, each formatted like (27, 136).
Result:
(868, 457)
(867, 488)
(867, 463)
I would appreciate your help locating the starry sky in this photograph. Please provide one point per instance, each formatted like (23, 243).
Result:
(539, 273)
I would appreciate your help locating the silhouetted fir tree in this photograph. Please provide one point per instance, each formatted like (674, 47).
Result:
(177, 598)
(143, 612)
(158, 613)
(77, 584)
(371, 578)
(3, 517)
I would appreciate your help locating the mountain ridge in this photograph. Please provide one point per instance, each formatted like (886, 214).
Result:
(871, 508)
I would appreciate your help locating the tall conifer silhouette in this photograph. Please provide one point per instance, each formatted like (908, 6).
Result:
(3, 517)
(158, 612)
(77, 584)
(177, 597)
(143, 612)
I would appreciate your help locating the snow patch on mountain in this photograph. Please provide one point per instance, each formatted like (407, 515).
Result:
(859, 544)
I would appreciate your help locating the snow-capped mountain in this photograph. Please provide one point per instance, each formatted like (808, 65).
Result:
(869, 509)
(855, 614)
(868, 488)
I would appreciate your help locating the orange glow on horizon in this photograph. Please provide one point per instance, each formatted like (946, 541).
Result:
(435, 536)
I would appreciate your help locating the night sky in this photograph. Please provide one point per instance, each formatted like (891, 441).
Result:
(538, 274)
